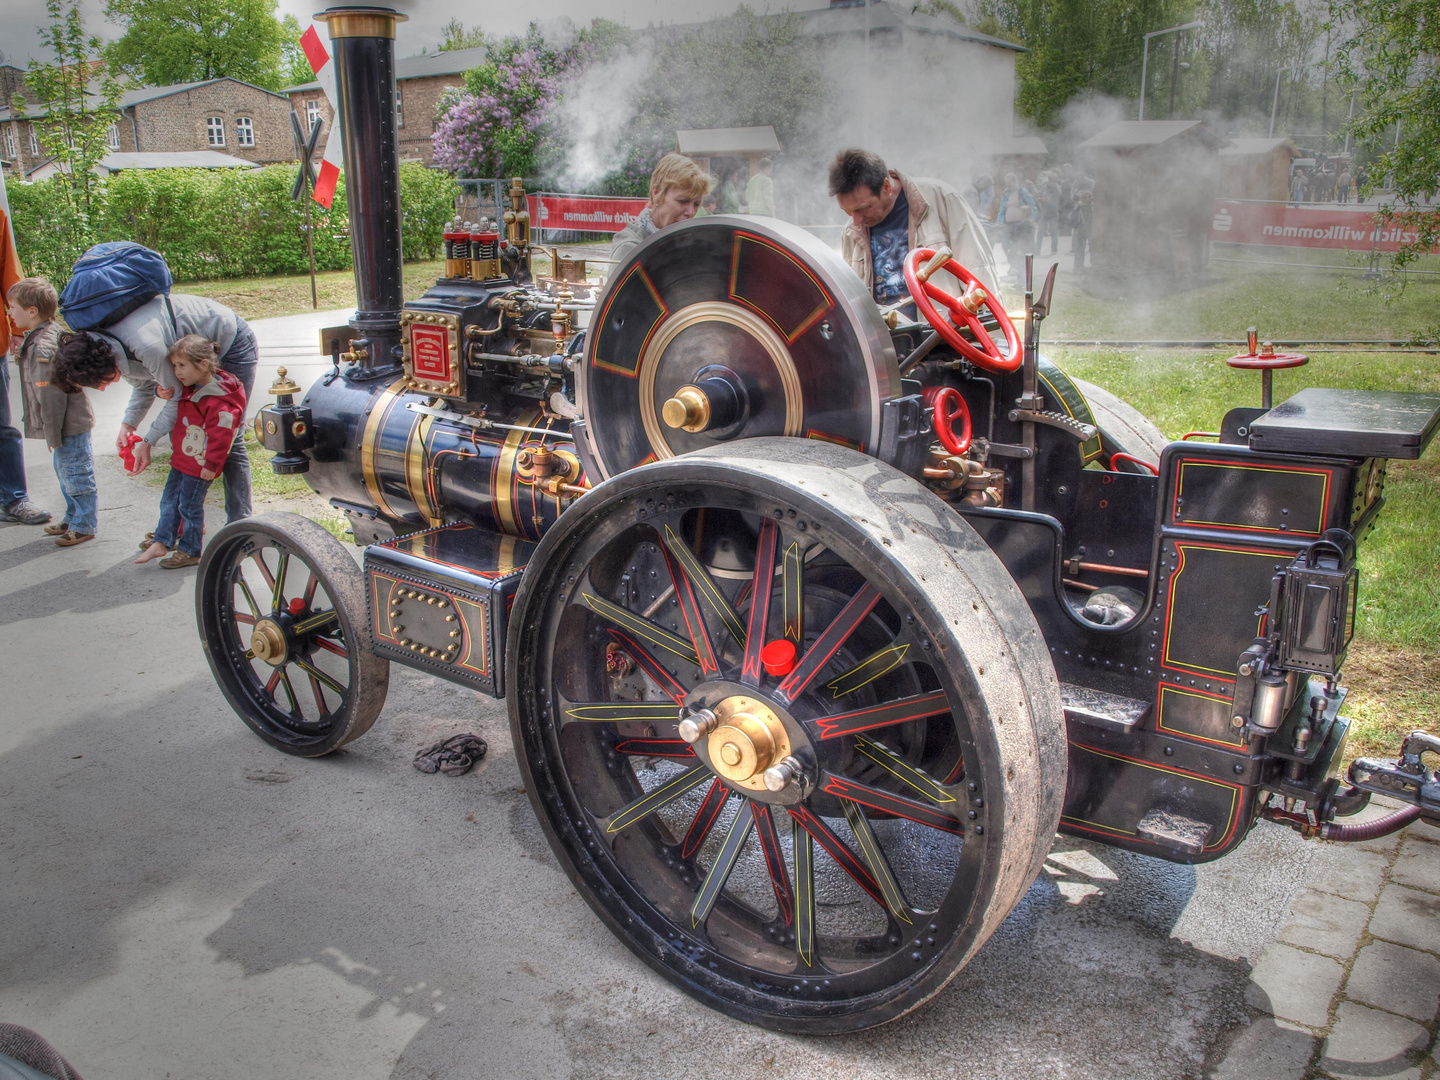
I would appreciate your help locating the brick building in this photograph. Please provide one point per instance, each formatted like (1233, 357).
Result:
(419, 82)
(224, 115)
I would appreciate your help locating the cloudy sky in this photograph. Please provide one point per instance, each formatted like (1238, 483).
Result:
(20, 18)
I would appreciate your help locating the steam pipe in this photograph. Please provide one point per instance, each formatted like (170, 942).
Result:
(363, 47)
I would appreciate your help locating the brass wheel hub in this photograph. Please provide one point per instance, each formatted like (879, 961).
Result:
(268, 642)
(688, 409)
(748, 738)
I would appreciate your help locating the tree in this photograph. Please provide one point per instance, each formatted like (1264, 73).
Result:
(453, 35)
(177, 41)
(1391, 60)
(77, 96)
(294, 66)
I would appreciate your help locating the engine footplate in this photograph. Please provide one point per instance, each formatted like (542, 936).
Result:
(439, 600)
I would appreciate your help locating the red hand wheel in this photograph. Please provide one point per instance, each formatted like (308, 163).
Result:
(1265, 359)
(949, 406)
(966, 308)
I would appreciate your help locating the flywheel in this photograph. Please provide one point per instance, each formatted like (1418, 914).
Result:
(726, 328)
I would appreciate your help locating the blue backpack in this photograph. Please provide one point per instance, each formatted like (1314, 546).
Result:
(110, 281)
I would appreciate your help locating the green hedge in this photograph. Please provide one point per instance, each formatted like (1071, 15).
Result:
(212, 223)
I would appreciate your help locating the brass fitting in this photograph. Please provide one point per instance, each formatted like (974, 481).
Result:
(689, 409)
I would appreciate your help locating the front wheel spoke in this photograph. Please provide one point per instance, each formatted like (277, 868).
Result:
(916, 707)
(278, 586)
(316, 623)
(259, 558)
(690, 610)
(662, 796)
(774, 861)
(319, 695)
(710, 808)
(903, 771)
(706, 590)
(249, 597)
(641, 628)
(725, 859)
(619, 712)
(330, 647)
(290, 693)
(310, 587)
(804, 893)
(875, 859)
(886, 802)
(650, 665)
(793, 592)
(829, 642)
(243, 619)
(880, 662)
(316, 673)
(838, 850)
(676, 749)
(272, 682)
(761, 586)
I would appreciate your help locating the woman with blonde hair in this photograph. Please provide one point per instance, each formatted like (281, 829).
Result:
(676, 187)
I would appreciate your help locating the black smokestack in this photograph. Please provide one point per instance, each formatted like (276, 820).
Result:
(362, 43)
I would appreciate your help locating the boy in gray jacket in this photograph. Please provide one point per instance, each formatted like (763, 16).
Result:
(63, 420)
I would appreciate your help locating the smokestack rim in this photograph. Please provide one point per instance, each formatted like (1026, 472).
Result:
(362, 22)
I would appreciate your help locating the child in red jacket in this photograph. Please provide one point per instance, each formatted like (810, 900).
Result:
(212, 406)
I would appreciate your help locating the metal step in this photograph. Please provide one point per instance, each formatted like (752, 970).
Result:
(1110, 712)
(1172, 830)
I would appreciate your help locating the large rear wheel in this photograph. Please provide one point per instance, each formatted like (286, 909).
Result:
(871, 762)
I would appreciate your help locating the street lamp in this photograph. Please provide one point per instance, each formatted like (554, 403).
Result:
(1145, 56)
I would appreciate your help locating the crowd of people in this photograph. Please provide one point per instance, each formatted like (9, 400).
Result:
(1326, 180)
(1024, 214)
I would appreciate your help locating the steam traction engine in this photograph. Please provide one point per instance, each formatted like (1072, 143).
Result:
(815, 623)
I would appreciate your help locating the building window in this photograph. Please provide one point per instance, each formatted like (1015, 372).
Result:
(112, 136)
(215, 130)
(34, 143)
(312, 113)
(11, 149)
(244, 131)
(399, 109)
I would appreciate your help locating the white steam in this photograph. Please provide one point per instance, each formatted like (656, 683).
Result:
(595, 112)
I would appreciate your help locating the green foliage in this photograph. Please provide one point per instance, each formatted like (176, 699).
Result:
(49, 232)
(453, 35)
(178, 41)
(220, 223)
(1391, 61)
(294, 67)
(77, 96)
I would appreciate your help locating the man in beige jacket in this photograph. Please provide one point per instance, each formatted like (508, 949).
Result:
(891, 214)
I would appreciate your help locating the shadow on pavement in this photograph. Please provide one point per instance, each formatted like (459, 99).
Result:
(83, 592)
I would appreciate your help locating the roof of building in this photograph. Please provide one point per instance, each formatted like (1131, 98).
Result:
(424, 66)
(1249, 146)
(140, 95)
(1021, 146)
(723, 142)
(878, 16)
(1131, 134)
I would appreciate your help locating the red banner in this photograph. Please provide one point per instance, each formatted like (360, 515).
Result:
(1351, 229)
(583, 213)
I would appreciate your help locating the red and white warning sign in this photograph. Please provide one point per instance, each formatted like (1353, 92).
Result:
(334, 156)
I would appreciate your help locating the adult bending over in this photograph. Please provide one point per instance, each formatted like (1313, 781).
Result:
(676, 187)
(891, 214)
(137, 349)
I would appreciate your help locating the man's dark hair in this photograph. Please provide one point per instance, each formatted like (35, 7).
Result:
(82, 360)
(854, 168)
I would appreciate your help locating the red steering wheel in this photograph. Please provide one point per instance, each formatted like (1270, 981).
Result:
(988, 354)
(949, 406)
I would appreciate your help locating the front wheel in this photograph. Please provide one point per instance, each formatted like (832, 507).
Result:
(871, 762)
(281, 609)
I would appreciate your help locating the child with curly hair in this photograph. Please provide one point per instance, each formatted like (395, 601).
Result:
(212, 405)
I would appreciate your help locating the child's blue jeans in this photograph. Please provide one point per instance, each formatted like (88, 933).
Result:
(182, 500)
(75, 466)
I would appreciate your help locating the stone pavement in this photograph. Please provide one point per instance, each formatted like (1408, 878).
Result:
(1350, 988)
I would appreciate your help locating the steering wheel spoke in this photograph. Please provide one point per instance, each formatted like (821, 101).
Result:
(983, 351)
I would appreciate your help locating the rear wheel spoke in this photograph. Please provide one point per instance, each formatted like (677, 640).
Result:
(706, 591)
(705, 817)
(894, 898)
(793, 593)
(642, 628)
(804, 893)
(829, 642)
(838, 850)
(619, 712)
(678, 749)
(774, 861)
(650, 665)
(881, 662)
(725, 859)
(916, 707)
(761, 587)
(688, 594)
(662, 796)
(885, 802)
(919, 782)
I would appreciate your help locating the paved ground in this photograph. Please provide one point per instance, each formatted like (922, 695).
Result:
(180, 901)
